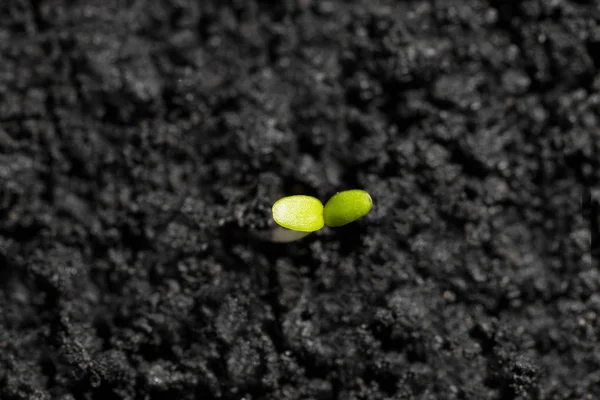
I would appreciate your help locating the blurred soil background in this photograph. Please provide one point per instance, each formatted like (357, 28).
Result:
(142, 144)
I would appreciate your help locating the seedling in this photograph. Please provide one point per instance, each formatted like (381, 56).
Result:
(306, 213)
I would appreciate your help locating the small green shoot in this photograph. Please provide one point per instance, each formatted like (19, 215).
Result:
(307, 214)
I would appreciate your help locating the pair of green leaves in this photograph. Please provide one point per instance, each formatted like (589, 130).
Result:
(307, 214)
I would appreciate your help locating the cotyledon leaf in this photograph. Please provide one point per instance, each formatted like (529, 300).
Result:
(346, 207)
(299, 213)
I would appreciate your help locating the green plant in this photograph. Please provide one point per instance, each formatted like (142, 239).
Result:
(307, 214)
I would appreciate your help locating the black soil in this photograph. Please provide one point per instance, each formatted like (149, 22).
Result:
(142, 144)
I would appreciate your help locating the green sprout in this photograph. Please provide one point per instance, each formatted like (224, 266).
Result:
(307, 214)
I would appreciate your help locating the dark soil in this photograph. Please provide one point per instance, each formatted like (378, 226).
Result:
(142, 144)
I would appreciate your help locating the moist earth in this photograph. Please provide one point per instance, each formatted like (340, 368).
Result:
(142, 144)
